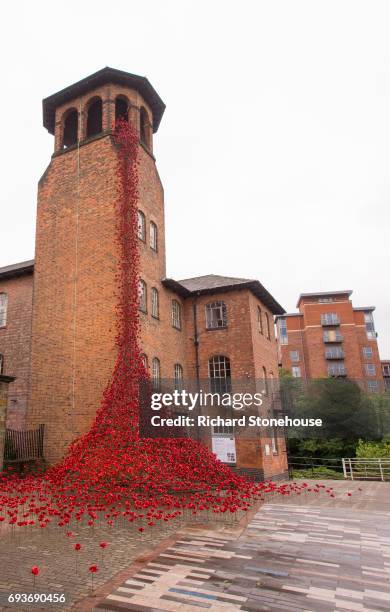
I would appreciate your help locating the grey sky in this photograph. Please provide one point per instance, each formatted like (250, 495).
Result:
(275, 146)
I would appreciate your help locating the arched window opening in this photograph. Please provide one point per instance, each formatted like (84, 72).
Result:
(141, 229)
(216, 315)
(260, 320)
(3, 309)
(153, 236)
(176, 314)
(265, 381)
(220, 374)
(156, 373)
(178, 376)
(267, 326)
(70, 133)
(94, 119)
(144, 361)
(121, 109)
(144, 126)
(142, 296)
(155, 305)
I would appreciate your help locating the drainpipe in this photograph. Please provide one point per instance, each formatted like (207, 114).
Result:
(196, 341)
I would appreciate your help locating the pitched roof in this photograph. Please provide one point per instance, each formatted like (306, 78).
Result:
(18, 269)
(212, 283)
(101, 77)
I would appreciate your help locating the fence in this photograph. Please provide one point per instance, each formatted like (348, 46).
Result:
(366, 469)
(315, 467)
(24, 445)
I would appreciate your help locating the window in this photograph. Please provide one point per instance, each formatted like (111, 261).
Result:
(369, 322)
(121, 109)
(386, 370)
(153, 236)
(282, 331)
(373, 386)
(325, 300)
(367, 352)
(70, 133)
(178, 376)
(225, 430)
(267, 326)
(142, 294)
(220, 374)
(141, 226)
(333, 335)
(94, 118)
(260, 320)
(337, 369)
(155, 308)
(156, 376)
(296, 371)
(144, 126)
(265, 380)
(1, 364)
(370, 369)
(3, 309)
(274, 442)
(336, 352)
(294, 355)
(330, 318)
(176, 314)
(216, 315)
(144, 361)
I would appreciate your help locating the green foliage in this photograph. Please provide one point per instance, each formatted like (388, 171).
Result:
(373, 450)
(318, 472)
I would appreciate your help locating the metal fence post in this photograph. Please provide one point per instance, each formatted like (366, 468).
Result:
(350, 468)
(344, 468)
(381, 469)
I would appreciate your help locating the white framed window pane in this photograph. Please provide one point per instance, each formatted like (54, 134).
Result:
(153, 236)
(156, 376)
(370, 369)
(155, 305)
(294, 355)
(3, 309)
(142, 296)
(141, 230)
(176, 314)
(296, 371)
(216, 315)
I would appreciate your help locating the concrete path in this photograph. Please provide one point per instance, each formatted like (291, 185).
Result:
(313, 553)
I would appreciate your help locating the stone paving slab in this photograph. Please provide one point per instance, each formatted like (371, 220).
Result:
(318, 555)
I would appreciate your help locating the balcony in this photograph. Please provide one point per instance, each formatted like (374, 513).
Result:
(335, 353)
(330, 319)
(337, 370)
(332, 336)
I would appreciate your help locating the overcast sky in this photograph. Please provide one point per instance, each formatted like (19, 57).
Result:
(274, 149)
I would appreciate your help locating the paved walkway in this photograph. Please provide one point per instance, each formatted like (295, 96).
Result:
(321, 554)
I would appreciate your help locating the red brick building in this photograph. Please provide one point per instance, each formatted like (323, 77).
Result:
(330, 337)
(204, 327)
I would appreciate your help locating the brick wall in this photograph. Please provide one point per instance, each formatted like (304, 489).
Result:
(15, 344)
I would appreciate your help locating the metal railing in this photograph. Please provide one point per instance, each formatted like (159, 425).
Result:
(366, 469)
(311, 467)
(24, 445)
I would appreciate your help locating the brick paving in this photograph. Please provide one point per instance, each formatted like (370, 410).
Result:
(319, 554)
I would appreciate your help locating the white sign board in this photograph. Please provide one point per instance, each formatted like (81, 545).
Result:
(224, 448)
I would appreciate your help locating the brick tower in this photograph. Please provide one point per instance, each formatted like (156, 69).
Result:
(73, 326)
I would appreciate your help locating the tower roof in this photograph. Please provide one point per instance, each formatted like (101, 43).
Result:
(106, 75)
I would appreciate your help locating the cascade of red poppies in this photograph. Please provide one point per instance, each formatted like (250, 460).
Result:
(111, 472)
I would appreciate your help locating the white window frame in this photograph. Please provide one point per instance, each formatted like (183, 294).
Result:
(368, 353)
(373, 386)
(155, 306)
(156, 373)
(294, 356)
(216, 315)
(282, 327)
(142, 296)
(296, 371)
(141, 225)
(3, 309)
(176, 314)
(370, 369)
(153, 233)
